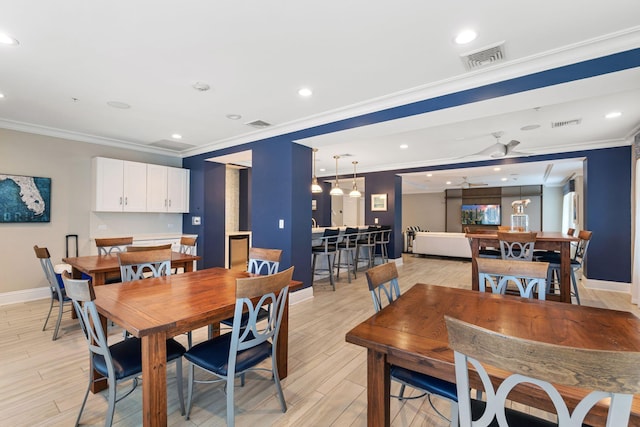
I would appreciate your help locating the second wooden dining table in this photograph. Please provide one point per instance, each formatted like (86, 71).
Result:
(552, 241)
(159, 308)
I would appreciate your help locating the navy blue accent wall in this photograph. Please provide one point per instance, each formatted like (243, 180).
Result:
(607, 202)
(281, 183)
(384, 183)
(214, 219)
(196, 203)
(322, 214)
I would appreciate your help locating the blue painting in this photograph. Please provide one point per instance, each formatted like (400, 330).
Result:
(25, 199)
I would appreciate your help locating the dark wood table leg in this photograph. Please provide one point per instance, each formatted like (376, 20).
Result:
(475, 251)
(154, 380)
(565, 272)
(283, 342)
(378, 390)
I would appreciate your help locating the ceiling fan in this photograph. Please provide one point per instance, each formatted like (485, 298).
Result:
(499, 149)
(466, 184)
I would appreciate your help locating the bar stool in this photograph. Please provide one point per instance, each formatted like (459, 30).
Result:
(367, 241)
(348, 244)
(329, 248)
(382, 241)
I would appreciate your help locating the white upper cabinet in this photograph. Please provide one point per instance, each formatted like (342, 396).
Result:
(167, 189)
(123, 186)
(177, 190)
(119, 185)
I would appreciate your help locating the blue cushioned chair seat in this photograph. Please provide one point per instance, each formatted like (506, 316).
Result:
(554, 258)
(514, 418)
(127, 357)
(213, 355)
(425, 382)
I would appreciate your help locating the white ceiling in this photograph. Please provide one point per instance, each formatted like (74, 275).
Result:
(358, 56)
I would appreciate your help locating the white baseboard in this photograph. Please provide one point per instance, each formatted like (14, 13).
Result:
(605, 285)
(301, 295)
(26, 295)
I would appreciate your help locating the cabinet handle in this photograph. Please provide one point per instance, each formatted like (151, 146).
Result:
(126, 201)
(165, 203)
(169, 202)
(120, 201)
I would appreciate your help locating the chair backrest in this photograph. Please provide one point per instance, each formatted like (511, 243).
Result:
(148, 248)
(264, 261)
(143, 264)
(498, 274)
(107, 246)
(368, 236)
(81, 293)
(265, 290)
(517, 245)
(45, 262)
(607, 374)
(384, 234)
(350, 237)
(581, 247)
(188, 245)
(383, 280)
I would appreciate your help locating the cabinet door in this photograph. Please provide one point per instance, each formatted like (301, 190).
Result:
(178, 190)
(157, 188)
(135, 187)
(108, 182)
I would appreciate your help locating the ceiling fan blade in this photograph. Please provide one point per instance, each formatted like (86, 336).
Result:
(492, 150)
(511, 145)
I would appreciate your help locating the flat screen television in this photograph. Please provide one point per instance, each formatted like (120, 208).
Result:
(480, 214)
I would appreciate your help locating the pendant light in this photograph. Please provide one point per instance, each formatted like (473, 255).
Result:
(336, 190)
(354, 192)
(315, 187)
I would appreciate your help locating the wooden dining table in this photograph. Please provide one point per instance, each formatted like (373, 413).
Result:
(546, 240)
(155, 309)
(411, 333)
(99, 267)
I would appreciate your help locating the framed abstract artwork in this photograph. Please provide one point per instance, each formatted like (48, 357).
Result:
(25, 199)
(378, 202)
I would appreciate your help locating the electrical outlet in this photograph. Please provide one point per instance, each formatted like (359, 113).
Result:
(195, 220)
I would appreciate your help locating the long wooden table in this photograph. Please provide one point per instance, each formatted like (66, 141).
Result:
(411, 333)
(159, 308)
(101, 266)
(545, 240)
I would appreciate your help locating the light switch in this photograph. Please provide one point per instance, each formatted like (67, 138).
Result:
(375, 220)
(281, 223)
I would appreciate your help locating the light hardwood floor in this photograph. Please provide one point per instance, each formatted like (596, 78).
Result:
(42, 382)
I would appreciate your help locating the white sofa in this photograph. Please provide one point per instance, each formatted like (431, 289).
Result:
(442, 244)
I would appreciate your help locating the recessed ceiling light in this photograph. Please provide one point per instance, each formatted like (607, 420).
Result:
(1, 95)
(118, 104)
(504, 179)
(305, 91)
(176, 136)
(234, 116)
(322, 169)
(530, 127)
(429, 175)
(448, 183)
(466, 36)
(404, 146)
(7, 39)
(496, 169)
(201, 86)
(613, 115)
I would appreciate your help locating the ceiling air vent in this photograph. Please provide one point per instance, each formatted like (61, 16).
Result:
(573, 122)
(258, 124)
(487, 55)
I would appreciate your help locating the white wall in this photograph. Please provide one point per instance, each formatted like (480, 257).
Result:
(552, 209)
(68, 164)
(425, 210)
